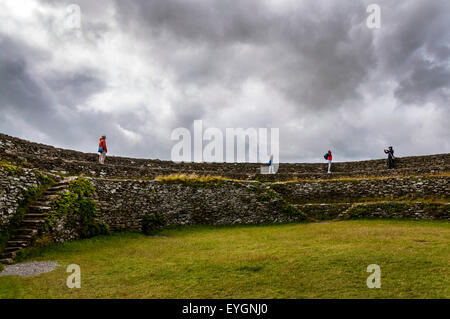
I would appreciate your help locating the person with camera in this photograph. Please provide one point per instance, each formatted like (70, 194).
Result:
(390, 153)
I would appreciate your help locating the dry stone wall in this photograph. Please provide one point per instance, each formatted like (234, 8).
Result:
(12, 189)
(365, 189)
(126, 192)
(70, 162)
(123, 203)
(381, 209)
(396, 210)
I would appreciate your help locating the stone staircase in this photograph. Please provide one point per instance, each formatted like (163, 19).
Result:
(23, 236)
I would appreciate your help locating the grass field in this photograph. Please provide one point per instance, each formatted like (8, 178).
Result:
(316, 260)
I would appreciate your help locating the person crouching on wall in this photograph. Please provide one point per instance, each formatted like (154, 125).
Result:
(102, 150)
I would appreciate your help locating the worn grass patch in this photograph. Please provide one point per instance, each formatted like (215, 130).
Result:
(192, 179)
(322, 260)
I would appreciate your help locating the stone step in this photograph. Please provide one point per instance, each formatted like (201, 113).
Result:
(25, 231)
(62, 183)
(57, 188)
(8, 255)
(34, 208)
(51, 193)
(32, 222)
(48, 197)
(21, 237)
(47, 202)
(61, 186)
(36, 213)
(6, 261)
(34, 216)
(53, 189)
(44, 202)
(15, 243)
(12, 249)
(41, 204)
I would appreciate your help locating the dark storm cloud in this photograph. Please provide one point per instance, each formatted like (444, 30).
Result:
(18, 88)
(72, 89)
(424, 83)
(311, 68)
(21, 94)
(45, 104)
(302, 52)
(208, 22)
(28, 97)
(416, 52)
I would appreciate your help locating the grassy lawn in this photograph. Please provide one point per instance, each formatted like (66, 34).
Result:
(316, 260)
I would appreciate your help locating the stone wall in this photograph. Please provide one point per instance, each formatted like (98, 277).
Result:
(123, 203)
(395, 210)
(381, 209)
(12, 188)
(364, 189)
(70, 162)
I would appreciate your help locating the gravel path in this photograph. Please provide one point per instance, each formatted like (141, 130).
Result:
(29, 269)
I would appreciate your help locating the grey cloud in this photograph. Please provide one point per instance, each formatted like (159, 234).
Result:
(20, 92)
(208, 22)
(425, 82)
(74, 88)
(46, 103)
(312, 59)
(416, 52)
(318, 57)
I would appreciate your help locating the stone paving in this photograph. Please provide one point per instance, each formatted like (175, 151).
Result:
(29, 269)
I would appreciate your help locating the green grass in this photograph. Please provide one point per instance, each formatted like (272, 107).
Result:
(316, 260)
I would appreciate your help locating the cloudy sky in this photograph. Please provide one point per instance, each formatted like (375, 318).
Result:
(136, 70)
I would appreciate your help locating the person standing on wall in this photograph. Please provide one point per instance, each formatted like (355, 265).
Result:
(271, 171)
(102, 150)
(390, 153)
(329, 157)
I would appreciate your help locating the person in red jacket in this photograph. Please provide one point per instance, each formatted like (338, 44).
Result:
(102, 149)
